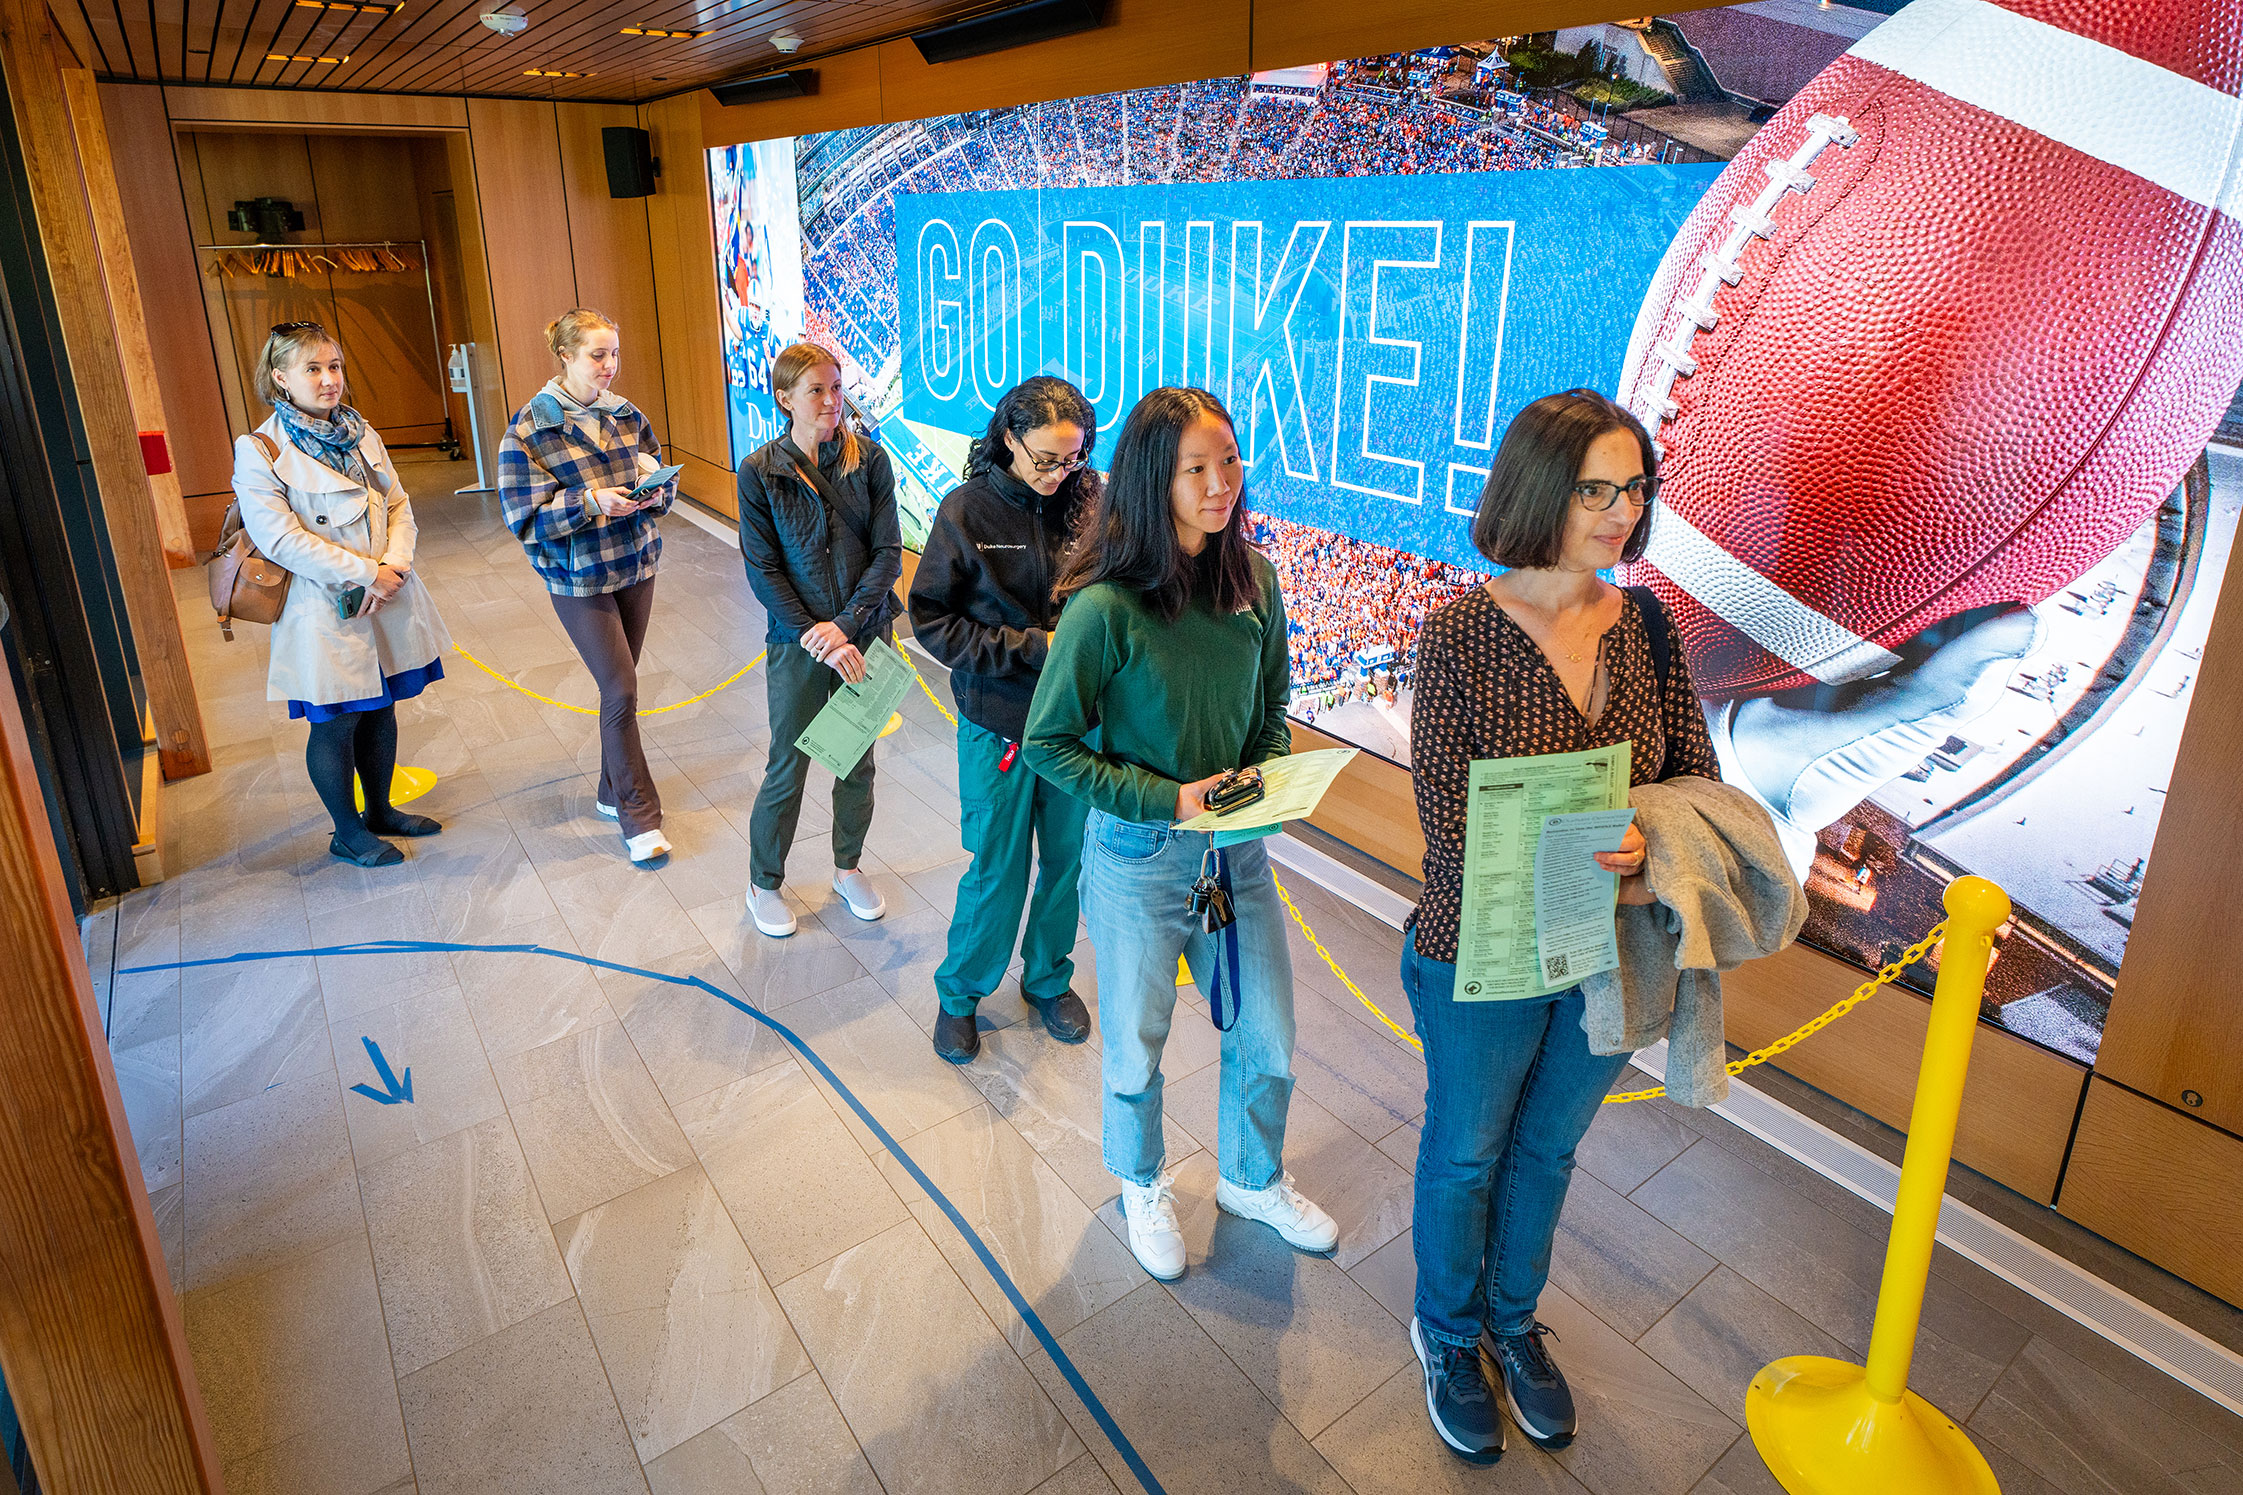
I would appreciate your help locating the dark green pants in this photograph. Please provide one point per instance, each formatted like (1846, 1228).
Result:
(1014, 823)
(798, 688)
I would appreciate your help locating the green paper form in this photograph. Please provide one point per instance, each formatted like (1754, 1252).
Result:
(844, 731)
(1292, 786)
(1498, 952)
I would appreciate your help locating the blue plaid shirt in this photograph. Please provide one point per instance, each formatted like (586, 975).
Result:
(554, 454)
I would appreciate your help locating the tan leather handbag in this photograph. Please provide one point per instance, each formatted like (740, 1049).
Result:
(245, 583)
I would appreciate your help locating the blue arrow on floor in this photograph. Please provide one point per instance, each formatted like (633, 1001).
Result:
(396, 1091)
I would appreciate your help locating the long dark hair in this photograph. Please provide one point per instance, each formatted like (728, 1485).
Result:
(1131, 538)
(1044, 400)
(1529, 492)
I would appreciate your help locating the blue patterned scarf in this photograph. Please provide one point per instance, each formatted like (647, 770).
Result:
(332, 442)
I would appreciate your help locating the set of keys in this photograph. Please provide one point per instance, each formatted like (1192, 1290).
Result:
(1210, 900)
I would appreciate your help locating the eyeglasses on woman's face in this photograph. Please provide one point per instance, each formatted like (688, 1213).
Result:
(1597, 495)
(1046, 462)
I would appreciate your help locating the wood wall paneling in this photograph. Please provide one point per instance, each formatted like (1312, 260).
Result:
(91, 1341)
(475, 278)
(683, 246)
(1142, 44)
(2175, 1025)
(439, 205)
(848, 95)
(1370, 806)
(609, 240)
(89, 332)
(292, 108)
(123, 286)
(2159, 1183)
(142, 151)
(525, 232)
(367, 190)
(243, 408)
(2017, 1108)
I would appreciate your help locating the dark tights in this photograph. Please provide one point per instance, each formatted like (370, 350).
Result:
(362, 743)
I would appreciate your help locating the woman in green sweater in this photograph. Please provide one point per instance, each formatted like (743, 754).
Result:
(1172, 650)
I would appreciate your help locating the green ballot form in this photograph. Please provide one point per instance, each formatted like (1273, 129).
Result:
(1293, 785)
(841, 734)
(1499, 954)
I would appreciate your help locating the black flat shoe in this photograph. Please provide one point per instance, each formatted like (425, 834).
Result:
(956, 1038)
(399, 823)
(380, 854)
(1065, 1017)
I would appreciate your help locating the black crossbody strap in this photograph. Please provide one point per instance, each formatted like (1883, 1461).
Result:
(1659, 629)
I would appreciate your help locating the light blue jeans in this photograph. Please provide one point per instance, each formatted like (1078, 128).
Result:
(1136, 882)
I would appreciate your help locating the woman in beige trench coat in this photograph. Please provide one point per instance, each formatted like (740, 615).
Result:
(359, 633)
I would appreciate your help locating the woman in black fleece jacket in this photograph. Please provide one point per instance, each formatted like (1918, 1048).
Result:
(981, 603)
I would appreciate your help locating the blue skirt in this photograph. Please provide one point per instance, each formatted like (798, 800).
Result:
(398, 687)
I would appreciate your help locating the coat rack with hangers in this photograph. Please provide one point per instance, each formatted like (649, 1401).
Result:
(343, 256)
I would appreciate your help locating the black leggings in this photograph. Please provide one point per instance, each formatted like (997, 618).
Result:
(608, 631)
(358, 742)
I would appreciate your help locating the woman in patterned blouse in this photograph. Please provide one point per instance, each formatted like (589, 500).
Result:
(1548, 657)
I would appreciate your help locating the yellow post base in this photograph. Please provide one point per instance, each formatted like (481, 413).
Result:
(407, 783)
(1820, 1432)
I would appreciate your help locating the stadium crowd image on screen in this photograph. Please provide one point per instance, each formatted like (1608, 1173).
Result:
(1973, 667)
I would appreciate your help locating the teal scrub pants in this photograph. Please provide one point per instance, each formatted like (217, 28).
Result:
(1014, 823)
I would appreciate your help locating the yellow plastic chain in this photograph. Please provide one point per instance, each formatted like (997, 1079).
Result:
(930, 690)
(1762, 1055)
(594, 710)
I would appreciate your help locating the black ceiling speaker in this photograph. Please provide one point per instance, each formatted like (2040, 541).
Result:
(631, 166)
(762, 89)
(1014, 26)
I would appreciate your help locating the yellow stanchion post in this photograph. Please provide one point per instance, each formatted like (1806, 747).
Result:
(1827, 1427)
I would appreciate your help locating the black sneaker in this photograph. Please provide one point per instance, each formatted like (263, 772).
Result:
(957, 1038)
(1065, 1017)
(1457, 1398)
(1541, 1403)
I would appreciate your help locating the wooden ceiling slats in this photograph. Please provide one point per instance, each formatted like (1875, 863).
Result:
(440, 47)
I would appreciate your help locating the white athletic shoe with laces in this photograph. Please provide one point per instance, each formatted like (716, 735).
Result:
(857, 891)
(647, 845)
(768, 907)
(1283, 1209)
(1150, 1210)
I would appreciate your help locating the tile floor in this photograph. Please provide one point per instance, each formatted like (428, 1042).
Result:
(623, 1240)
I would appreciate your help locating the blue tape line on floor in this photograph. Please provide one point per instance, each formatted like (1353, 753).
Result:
(1018, 1299)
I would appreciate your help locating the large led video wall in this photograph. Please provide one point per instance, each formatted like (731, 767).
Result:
(1377, 263)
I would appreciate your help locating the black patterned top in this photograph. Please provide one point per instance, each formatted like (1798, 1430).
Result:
(1484, 690)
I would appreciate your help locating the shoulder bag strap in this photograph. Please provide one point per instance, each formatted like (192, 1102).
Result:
(266, 445)
(1659, 629)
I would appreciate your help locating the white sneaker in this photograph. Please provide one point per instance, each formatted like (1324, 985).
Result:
(857, 891)
(1283, 1209)
(1150, 1210)
(607, 810)
(768, 907)
(647, 845)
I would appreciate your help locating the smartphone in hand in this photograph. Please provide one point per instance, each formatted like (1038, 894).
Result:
(352, 599)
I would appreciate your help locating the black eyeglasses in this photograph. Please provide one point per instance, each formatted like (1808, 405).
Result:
(1597, 495)
(282, 329)
(1044, 463)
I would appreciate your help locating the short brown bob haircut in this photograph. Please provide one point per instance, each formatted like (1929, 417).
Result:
(1529, 491)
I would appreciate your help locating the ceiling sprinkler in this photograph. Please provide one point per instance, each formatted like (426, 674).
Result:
(505, 22)
(786, 41)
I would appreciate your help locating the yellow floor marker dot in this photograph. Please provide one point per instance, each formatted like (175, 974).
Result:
(407, 783)
(1183, 972)
(895, 724)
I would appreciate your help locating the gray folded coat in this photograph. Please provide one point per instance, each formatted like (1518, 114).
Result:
(1724, 894)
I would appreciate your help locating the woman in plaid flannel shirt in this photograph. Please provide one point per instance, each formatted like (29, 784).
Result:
(569, 468)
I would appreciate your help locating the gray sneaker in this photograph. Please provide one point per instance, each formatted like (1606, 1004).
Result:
(1457, 1397)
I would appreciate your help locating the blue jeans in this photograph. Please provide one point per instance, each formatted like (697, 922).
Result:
(1510, 1089)
(1136, 879)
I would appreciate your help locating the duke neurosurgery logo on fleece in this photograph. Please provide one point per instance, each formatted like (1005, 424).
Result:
(1371, 335)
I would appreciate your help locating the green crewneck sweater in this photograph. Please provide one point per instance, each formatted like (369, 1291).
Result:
(1173, 702)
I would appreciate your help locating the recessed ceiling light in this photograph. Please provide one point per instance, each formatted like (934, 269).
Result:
(287, 57)
(539, 72)
(656, 31)
(374, 10)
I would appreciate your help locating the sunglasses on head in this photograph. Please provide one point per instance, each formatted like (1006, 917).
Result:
(283, 329)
